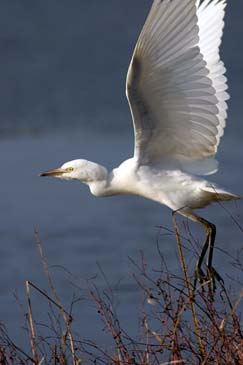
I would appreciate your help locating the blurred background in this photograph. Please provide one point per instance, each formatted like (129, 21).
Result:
(62, 96)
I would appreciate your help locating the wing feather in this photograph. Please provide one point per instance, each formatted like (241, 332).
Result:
(176, 86)
(211, 24)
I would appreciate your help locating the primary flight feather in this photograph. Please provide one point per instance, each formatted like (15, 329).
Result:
(177, 92)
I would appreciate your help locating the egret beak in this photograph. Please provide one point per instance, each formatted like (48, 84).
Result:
(56, 172)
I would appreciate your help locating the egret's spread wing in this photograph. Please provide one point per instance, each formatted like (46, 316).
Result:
(211, 23)
(176, 84)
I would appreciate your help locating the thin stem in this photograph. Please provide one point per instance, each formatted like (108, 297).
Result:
(31, 325)
(67, 318)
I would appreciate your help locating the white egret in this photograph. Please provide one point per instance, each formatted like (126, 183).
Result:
(176, 90)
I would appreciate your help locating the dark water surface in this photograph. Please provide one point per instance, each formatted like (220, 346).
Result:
(62, 75)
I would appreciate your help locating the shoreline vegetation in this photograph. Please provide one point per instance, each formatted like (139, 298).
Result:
(177, 325)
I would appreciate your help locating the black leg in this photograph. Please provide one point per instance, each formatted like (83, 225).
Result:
(199, 274)
(208, 246)
(211, 245)
(203, 252)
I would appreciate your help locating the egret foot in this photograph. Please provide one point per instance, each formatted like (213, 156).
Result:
(211, 272)
(212, 277)
(199, 276)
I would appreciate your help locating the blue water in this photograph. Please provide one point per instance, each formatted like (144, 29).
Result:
(62, 75)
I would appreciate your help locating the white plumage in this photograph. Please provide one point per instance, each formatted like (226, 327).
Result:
(177, 91)
(176, 82)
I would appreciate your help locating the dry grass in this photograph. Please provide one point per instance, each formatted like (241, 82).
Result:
(178, 327)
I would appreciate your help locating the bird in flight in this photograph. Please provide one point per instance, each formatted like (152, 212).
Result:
(177, 92)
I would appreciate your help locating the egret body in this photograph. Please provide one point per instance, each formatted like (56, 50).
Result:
(177, 92)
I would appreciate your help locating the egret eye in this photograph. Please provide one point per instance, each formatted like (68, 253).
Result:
(69, 169)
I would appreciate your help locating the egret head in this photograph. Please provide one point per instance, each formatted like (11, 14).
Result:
(82, 170)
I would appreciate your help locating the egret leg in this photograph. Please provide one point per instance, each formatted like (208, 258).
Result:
(212, 273)
(211, 246)
(210, 230)
(199, 274)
